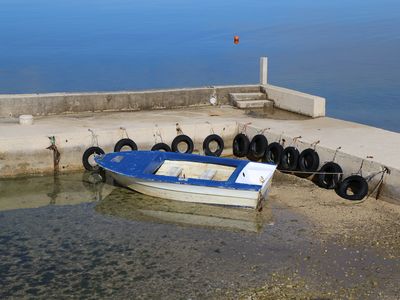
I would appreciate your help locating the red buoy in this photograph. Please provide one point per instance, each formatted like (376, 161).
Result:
(236, 39)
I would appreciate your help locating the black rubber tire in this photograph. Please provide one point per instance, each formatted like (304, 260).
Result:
(273, 154)
(88, 153)
(357, 184)
(308, 162)
(182, 139)
(328, 181)
(213, 138)
(289, 160)
(240, 145)
(257, 147)
(161, 147)
(125, 142)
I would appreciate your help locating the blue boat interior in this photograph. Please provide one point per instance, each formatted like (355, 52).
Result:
(144, 165)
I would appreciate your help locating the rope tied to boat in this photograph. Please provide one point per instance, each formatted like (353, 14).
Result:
(310, 172)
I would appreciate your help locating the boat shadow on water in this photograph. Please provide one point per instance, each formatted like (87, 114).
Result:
(131, 205)
(113, 200)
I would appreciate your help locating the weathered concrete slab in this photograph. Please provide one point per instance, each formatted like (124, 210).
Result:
(295, 101)
(247, 104)
(250, 100)
(247, 96)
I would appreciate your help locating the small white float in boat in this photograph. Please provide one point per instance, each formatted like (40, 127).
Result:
(190, 177)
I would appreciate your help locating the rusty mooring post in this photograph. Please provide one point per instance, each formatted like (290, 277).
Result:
(56, 154)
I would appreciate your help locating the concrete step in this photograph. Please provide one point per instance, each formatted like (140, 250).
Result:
(243, 104)
(247, 96)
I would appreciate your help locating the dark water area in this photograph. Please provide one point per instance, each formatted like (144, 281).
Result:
(102, 241)
(346, 51)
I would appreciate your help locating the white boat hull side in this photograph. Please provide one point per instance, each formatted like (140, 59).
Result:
(190, 193)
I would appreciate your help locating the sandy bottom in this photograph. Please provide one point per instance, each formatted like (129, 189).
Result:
(368, 226)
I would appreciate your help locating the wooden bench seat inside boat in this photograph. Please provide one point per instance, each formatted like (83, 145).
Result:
(196, 170)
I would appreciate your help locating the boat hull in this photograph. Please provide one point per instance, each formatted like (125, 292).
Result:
(192, 193)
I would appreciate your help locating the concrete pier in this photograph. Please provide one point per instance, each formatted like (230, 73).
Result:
(23, 148)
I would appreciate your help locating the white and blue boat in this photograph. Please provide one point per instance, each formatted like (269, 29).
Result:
(190, 177)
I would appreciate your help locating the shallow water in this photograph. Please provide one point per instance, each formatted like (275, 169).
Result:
(346, 51)
(98, 240)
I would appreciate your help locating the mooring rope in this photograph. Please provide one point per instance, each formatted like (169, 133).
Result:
(379, 185)
(309, 172)
(124, 131)
(336, 152)
(95, 142)
(244, 129)
(314, 145)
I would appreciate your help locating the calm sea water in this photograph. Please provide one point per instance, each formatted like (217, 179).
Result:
(344, 50)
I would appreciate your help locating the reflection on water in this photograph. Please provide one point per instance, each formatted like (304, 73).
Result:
(130, 205)
(75, 188)
(344, 50)
(63, 189)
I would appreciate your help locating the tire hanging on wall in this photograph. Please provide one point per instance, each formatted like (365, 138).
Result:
(125, 143)
(87, 154)
(161, 147)
(213, 138)
(182, 139)
(257, 147)
(289, 160)
(328, 181)
(308, 162)
(240, 145)
(355, 184)
(273, 154)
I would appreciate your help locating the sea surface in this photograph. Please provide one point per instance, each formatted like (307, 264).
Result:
(345, 50)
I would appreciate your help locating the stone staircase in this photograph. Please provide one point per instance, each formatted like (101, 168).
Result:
(250, 100)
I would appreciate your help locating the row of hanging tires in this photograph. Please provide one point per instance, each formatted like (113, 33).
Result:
(213, 145)
(303, 164)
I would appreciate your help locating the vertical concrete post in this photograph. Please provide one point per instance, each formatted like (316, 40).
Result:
(263, 70)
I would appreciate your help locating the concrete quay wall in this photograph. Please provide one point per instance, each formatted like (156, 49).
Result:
(23, 148)
(66, 103)
(61, 103)
(294, 101)
(25, 152)
(363, 150)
